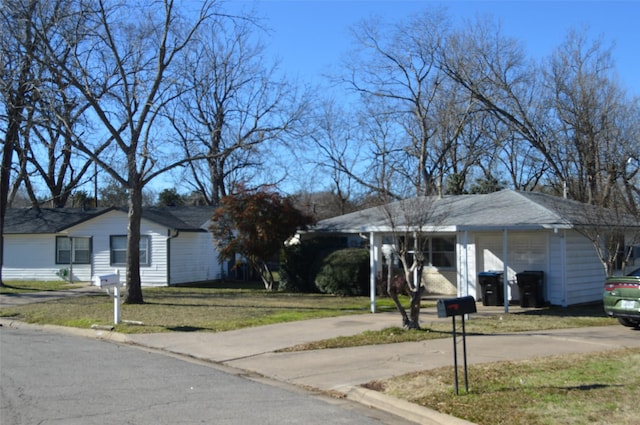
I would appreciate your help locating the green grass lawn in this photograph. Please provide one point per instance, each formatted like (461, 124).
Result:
(220, 307)
(198, 308)
(577, 389)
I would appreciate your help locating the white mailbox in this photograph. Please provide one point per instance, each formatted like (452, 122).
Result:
(111, 282)
(107, 281)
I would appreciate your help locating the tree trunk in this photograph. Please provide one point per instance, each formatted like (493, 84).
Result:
(414, 311)
(266, 275)
(16, 104)
(393, 293)
(134, 293)
(5, 173)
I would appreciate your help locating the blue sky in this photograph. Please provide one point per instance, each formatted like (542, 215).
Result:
(311, 36)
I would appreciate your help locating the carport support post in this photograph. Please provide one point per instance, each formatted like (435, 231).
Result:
(505, 271)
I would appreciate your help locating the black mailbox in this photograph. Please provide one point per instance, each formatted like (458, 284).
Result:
(448, 307)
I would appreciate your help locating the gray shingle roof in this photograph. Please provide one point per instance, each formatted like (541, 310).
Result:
(54, 220)
(185, 219)
(46, 220)
(504, 209)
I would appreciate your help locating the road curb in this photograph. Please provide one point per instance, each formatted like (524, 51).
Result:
(89, 333)
(401, 408)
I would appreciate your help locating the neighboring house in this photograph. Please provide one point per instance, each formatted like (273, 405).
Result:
(175, 246)
(506, 231)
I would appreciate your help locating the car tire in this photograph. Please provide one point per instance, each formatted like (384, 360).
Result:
(630, 323)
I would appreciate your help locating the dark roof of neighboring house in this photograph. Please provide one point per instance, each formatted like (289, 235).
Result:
(54, 220)
(47, 220)
(503, 209)
(185, 219)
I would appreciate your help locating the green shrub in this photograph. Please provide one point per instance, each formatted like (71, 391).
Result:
(344, 272)
(299, 265)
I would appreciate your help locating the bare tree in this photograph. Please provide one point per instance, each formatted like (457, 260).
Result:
(400, 72)
(235, 109)
(495, 72)
(592, 115)
(630, 172)
(20, 48)
(613, 232)
(409, 221)
(574, 118)
(358, 150)
(400, 83)
(335, 151)
(46, 153)
(123, 62)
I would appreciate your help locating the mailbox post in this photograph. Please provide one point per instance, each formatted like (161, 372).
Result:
(452, 307)
(111, 282)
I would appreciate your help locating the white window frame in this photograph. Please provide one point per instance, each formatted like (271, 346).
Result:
(73, 249)
(145, 247)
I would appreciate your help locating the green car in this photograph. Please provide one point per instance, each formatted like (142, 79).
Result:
(622, 298)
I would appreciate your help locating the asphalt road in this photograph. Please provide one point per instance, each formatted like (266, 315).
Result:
(51, 378)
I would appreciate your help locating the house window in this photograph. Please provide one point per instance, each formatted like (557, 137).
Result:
(443, 252)
(439, 252)
(119, 250)
(74, 250)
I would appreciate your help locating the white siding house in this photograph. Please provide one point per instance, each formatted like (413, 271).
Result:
(45, 244)
(508, 232)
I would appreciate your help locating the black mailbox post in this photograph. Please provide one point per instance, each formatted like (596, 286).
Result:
(452, 307)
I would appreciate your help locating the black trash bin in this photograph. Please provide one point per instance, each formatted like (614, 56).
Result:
(531, 288)
(492, 288)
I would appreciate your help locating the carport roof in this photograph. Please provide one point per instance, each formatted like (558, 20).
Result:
(506, 209)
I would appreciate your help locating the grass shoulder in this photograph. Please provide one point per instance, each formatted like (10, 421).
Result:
(567, 389)
(433, 328)
(31, 286)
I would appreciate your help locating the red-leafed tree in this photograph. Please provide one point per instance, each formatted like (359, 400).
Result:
(255, 225)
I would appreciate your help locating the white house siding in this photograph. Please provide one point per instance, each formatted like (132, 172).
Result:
(555, 278)
(33, 257)
(489, 257)
(193, 258)
(526, 251)
(585, 274)
(114, 223)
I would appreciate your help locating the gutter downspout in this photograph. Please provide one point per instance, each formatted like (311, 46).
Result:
(175, 235)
